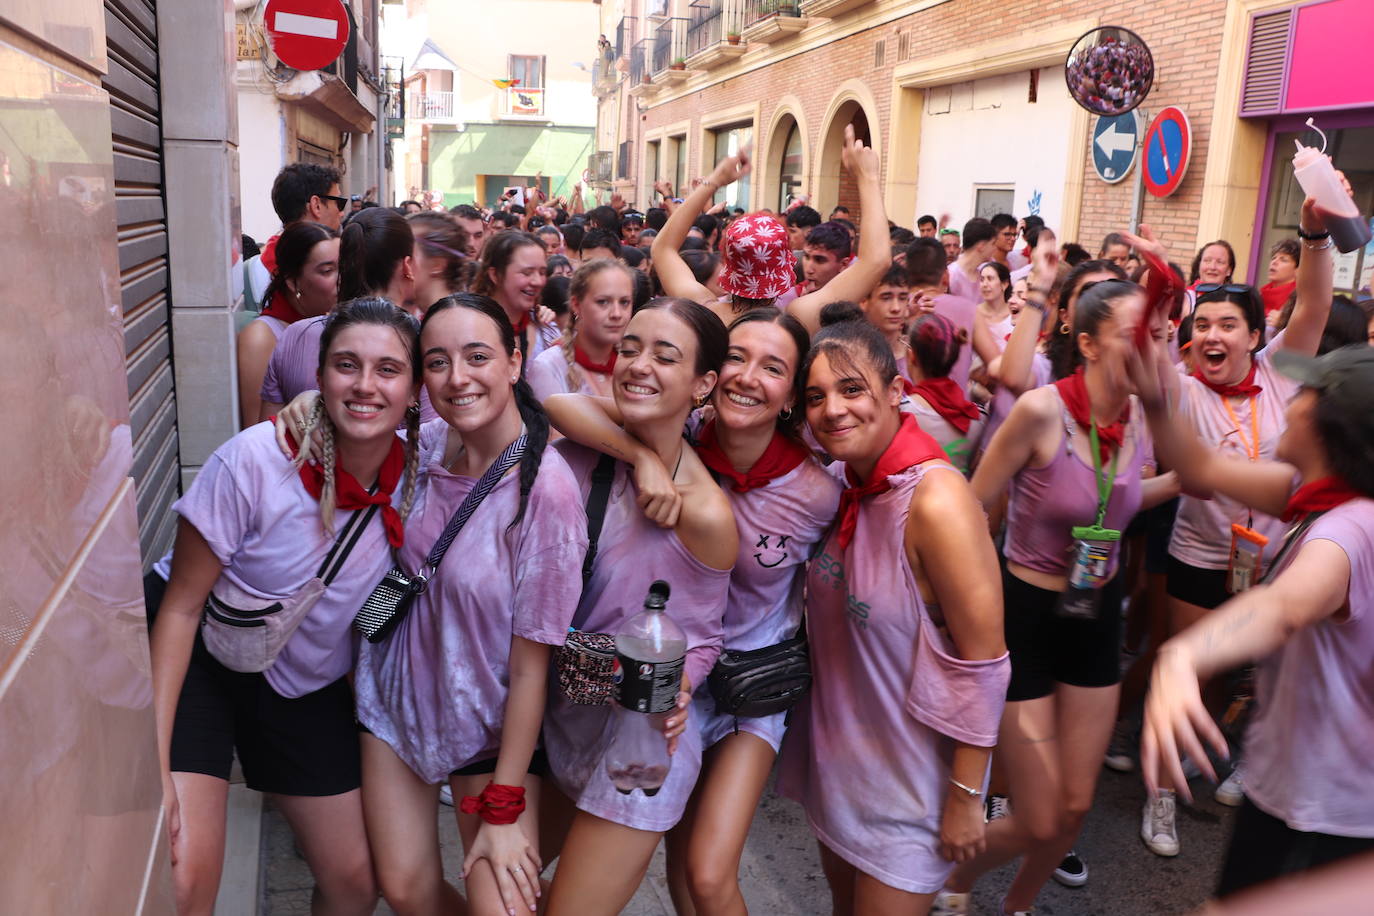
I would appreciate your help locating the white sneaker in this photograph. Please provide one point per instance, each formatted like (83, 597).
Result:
(1157, 824)
(1072, 871)
(1232, 790)
(948, 903)
(446, 794)
(1121, 752)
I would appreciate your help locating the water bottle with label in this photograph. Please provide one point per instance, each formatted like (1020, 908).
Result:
(1348, 227)
(650, 649)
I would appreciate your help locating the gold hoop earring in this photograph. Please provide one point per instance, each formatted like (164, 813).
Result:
(785, 414)
(1064, 328)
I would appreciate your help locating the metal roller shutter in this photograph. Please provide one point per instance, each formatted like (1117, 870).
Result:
(131, 38)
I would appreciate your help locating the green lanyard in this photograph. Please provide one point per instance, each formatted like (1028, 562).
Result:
(1104, 482)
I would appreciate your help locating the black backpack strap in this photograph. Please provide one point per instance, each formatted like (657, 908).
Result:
(602, 478)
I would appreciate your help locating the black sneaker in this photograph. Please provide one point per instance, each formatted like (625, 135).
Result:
(1072, 872)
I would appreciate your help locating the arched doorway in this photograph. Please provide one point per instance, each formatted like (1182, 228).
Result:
(834, 186)
(788, 162)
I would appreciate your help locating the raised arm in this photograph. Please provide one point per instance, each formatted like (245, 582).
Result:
(1012, 448)
(595, 423)
(875, 248)
(1014, 372)
(1315, 287)
(1246, 628)
(673, 272)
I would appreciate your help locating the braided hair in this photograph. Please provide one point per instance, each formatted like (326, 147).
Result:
(531, 413)
(373, 311)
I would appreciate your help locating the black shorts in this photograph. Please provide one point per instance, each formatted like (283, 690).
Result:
(1047, 649)
(1203, 587)
(304, 746)
(1264, 847)
(1159, 530)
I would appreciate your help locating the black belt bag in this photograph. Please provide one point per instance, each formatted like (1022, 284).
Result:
(761, 682)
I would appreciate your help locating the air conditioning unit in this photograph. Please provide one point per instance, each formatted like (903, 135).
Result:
(600, 165)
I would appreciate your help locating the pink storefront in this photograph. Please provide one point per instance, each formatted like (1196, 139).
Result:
(1312, 60)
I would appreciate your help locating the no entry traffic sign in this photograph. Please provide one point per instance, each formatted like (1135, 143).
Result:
(306, 34)
(1114, 145)
(1168, 145)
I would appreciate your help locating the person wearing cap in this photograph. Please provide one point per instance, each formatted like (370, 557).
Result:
(1308, 623)
(631, 224)
(759, 265)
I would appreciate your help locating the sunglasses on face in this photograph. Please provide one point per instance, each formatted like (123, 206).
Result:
(339, 202)
(1238, 288)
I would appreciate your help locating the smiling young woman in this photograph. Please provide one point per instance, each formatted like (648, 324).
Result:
(909, 564)
(669, 360)
(513, 272)
(254, 527)
(455, 694)
(782, 501)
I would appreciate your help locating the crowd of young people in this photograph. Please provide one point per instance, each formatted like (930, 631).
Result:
(967, 466)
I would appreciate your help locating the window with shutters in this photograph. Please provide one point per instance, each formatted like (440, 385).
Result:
(1266, 59)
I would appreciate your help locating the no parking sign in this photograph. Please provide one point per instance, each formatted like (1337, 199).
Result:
(1168, 146)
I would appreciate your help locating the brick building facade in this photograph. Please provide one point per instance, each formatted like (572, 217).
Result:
(908, 71)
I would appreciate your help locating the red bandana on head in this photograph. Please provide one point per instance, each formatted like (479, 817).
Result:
(1075, 395)
(910, 447)
(279, 306)
(780, 457)
(1245, 388)
(1318, 496)
(949, 401)
(582, 359)
(349, 494)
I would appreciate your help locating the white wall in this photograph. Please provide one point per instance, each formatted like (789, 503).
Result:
(262, 141)
(985, 132)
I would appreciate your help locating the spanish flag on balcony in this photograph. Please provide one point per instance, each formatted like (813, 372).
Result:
(505, 84)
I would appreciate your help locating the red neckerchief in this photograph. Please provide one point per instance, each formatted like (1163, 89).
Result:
(949, 401)
(1245, 388)
(780, 457)
(522, 324)
(1276, 294)
(1075, 395)
(582, 359)
(910, 447)
(1318, 496)
(349, 494)
(279, 306)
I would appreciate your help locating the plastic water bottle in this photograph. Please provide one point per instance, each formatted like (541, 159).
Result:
(1314, 171)
(650, 649)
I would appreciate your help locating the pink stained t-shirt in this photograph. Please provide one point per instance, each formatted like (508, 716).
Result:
(436, 688)
(249, 504)
(1046, 503)
(632, 552)
(1003, 400)
(961, 311)
(779, 525)
(1307, 750)
(868, 755)
(1202, 530)
(959, 447)
(548, 374)
(962, 284)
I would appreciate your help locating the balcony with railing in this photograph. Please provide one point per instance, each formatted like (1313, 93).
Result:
(773, 20)
(424, 105)
(638, 71)
(713, 32)
(669, 61)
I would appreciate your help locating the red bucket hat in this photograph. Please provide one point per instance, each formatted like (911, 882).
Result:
(758, 261)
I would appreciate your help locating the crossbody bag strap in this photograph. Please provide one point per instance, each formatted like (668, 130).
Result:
(345, 542)
(597, 498)
(1289, 542)
(485, 483)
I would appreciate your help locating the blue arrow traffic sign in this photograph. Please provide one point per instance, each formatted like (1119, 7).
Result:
(1114, 145)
